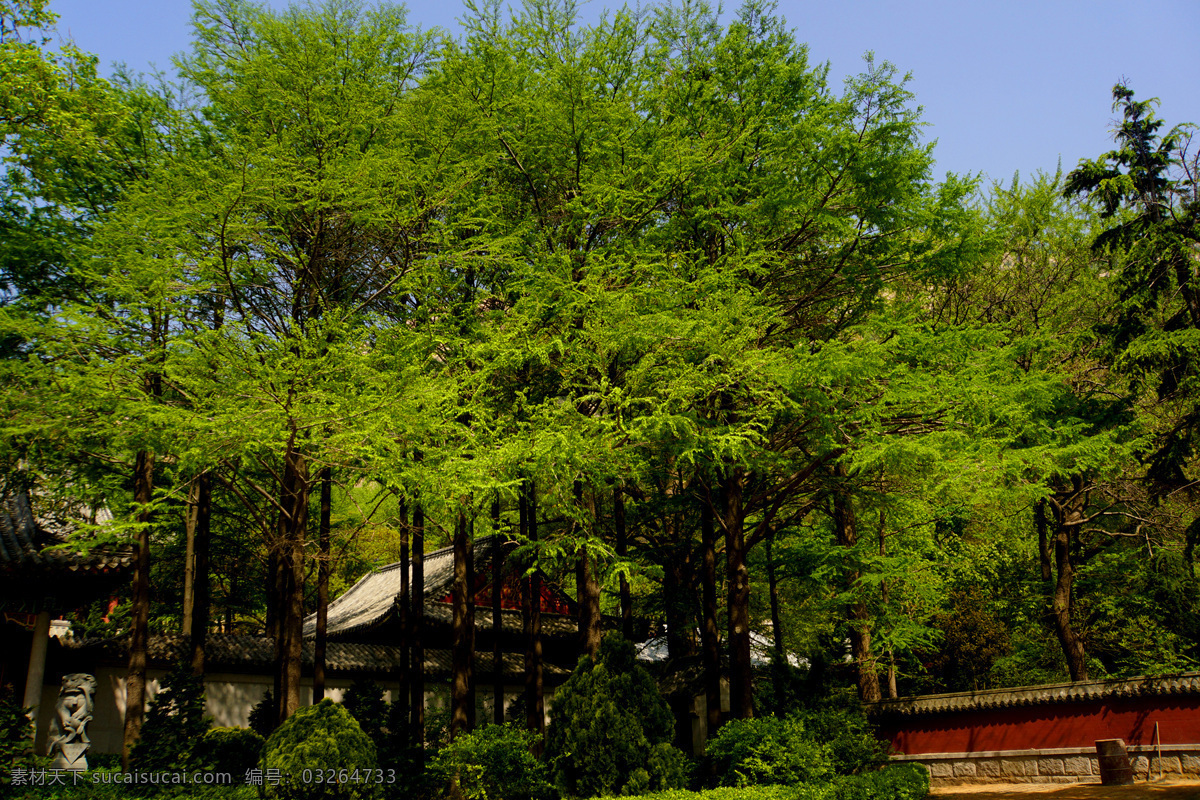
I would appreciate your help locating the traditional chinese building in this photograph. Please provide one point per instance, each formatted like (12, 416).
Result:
(43, 575)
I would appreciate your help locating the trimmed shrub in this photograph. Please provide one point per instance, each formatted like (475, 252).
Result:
(813, 791)
(232, 750)
(611, 730)
(494, 763)
(174, 723)
(768, 750)
(313, 748)
(894, 782)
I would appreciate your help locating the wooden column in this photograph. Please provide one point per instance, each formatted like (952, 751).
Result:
(36, 674)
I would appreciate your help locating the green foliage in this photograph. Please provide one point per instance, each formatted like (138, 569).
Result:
(15, 741)
(768, 750)
(264, 715)
(894, 782)
(771, 792)
(365, 702)
(175, 722)
(232, 750)
(611, 730)
(973, 638)
(106, 785)
(320, 737)
(494, 762)
(849, 737)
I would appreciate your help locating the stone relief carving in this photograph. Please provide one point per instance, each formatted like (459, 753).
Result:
(69, 741)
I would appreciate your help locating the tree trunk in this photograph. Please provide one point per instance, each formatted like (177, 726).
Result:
(676, 584)
(741, 676)
(857, 613)
(323, 567)
(587, 588)
(293, 524)
(622, 552)
(189, 560)
(1069, 513)
(460, 683)
(710, 633)
(1044, 556)
(497, 617)
(417, 632)
(403, 605)
(535, 710)
(135, 681)
(201, 596)
(892, 690)
(471, 694)
(773, 592)
(778, 656)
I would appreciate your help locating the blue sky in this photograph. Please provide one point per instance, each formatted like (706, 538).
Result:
(1006, 85)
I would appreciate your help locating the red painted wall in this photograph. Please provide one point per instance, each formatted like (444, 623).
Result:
(1076, 724)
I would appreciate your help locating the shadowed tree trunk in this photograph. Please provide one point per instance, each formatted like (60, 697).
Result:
(471, 702)
(741, 688)
(587, 587)
(323, 566)
(403, 604)
(461, 700)
(135, 681)
(622, 552)
(710, 631)
(189, 563)
(535, 710)
(416, 634)
(1069, 506)
(201, 597)
(293, 523)
(779, 654)
(857, 613)
(497, 617)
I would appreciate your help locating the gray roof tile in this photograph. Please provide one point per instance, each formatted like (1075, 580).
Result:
(1187, 683)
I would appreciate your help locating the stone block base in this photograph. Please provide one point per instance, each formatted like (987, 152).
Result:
(1061, 765)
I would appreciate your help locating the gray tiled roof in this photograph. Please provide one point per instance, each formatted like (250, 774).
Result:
(372, 599)
(1187, 683)
(28, 539)
(244, 653)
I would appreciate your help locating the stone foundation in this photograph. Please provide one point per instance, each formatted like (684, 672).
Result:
(1061, 765)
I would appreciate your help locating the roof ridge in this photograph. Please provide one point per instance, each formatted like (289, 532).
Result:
(1072, 691)
(441, 551)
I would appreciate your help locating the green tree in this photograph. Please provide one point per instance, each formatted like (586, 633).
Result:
(611, 731)
(1147, 190)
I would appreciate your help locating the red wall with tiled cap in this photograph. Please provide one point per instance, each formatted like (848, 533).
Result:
(1041, 727)
(1034, 724)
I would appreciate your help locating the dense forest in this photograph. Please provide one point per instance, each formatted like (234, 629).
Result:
(650, 297)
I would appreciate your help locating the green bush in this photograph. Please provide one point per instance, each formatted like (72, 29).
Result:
(849, 738)
(86, 789)
(364, 700)
(768, 750)
(774, 792)
(232, 750)
(174, 723)
(323, 737)
(494, 763)
(14, 733)
(611, 730)
(895, 782)
(264, 715)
